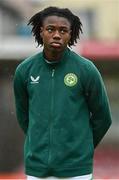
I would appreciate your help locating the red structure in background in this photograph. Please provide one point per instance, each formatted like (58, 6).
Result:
(99, 50)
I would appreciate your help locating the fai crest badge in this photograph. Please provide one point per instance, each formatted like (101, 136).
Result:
(70, 79)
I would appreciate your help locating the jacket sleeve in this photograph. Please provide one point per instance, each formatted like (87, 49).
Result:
(21, 100)
(98, 104)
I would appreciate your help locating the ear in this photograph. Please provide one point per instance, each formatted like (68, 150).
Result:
(41, 31)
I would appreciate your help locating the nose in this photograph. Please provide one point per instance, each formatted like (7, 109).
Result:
(56, 35)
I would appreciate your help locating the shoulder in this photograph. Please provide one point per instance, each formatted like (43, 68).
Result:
(28, 62)
(86, 66)
(82, 61)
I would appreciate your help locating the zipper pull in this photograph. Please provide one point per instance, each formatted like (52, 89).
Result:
(53, 71)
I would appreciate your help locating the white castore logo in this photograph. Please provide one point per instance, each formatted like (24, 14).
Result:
(34, 80)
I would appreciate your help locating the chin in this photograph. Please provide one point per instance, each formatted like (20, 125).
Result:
(61, 49)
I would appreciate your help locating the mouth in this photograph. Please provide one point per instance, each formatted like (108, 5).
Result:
(56, 44)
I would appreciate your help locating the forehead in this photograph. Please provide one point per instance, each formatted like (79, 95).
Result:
(56, 21)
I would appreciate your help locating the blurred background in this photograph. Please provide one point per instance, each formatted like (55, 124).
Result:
(99, 42)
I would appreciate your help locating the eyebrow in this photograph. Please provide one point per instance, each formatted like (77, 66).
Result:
(63, 26)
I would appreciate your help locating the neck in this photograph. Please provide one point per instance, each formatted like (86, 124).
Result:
(53, 56)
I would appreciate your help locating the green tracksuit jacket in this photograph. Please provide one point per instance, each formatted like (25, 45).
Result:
(63, 110)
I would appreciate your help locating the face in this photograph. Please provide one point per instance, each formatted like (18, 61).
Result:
(55, 33)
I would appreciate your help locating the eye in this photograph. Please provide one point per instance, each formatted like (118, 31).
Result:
(49, 29)
(63, 31)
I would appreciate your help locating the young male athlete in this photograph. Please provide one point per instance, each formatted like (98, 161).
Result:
(61, 101)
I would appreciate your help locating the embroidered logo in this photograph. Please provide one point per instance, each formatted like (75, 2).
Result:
(34, 80)
(70, 79)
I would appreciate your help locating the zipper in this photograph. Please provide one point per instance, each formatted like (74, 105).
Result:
(51, 116)
(53, 72)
